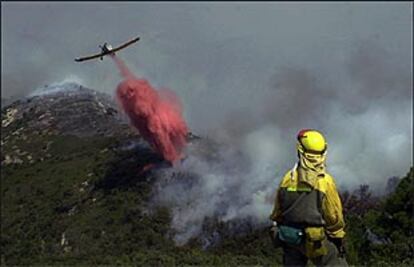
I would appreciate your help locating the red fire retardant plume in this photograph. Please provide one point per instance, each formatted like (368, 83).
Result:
(156, 114)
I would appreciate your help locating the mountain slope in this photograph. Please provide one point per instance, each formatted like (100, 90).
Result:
(77, 185)
(75, 190)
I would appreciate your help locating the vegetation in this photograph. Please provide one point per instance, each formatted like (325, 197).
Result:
(384, 236)
(84, 201)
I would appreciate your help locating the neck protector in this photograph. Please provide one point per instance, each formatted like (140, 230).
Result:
(311, 166)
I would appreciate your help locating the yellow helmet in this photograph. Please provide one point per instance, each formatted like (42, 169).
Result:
(312, 141)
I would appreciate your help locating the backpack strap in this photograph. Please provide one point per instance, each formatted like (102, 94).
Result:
(293, 171)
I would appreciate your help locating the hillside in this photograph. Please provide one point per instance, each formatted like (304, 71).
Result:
(76, 189)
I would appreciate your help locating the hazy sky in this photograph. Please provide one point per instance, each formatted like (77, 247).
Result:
(254, 73)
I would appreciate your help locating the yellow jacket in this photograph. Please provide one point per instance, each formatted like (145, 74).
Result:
(320, 207)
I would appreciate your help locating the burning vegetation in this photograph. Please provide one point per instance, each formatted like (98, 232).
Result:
(76, 195)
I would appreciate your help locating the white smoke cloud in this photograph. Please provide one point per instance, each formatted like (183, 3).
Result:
(224, 182)
(69, 83)
(368, 142)
(250, 76)
(371, 147)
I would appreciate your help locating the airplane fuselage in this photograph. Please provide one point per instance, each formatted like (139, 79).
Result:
(106, 48)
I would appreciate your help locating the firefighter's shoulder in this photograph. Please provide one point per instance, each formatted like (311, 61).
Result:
(326, 183)
(288, 179)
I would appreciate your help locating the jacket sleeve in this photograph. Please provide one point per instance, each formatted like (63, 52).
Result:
(332, 212)
(276, 213)
(276, 207)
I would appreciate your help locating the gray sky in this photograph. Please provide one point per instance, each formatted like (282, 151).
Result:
(255, 72)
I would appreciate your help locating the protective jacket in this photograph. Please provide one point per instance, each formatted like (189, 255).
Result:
(320, 207)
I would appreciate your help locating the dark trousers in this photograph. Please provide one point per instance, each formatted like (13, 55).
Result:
(294, 257)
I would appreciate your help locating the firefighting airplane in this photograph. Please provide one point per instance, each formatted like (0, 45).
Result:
(106, 49)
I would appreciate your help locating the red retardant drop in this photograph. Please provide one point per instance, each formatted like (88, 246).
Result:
(156, 114)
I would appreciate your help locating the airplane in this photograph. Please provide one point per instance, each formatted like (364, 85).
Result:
(106, 49)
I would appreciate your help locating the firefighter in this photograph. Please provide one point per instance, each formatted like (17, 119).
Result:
(307, 216)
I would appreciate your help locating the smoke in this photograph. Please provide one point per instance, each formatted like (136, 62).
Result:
(364, 110)
(155, 114)
(70, 83)
(250, 77)
(369, 140)
(216, 182)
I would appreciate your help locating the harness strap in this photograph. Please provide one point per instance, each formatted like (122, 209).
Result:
(294, 204)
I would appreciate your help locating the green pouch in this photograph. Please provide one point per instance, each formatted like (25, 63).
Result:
(290, 235)
(315, 242)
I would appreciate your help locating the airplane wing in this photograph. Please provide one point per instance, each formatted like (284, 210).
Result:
(125, 45)
(109, 52)
(79, 59)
